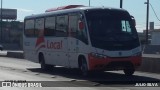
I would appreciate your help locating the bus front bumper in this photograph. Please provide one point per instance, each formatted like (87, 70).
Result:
(113, 63)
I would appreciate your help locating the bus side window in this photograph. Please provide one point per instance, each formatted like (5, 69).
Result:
(74, 30)
(49, 26)
(62, 26)
(73, 25)
(29, 28)
(82, 33)
(39, 27)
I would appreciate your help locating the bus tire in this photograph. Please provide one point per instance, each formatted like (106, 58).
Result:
(84, 67)
(44, 66)
(129, 70)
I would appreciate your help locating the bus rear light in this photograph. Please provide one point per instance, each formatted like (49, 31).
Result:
(134, 21)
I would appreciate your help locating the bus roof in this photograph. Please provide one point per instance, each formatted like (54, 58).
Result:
(77, 9)
(64, 7)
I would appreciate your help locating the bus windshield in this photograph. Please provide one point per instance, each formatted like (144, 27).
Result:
(111, 29)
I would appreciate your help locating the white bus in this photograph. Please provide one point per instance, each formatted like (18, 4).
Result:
(88, 38)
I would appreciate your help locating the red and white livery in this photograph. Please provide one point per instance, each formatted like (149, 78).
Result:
(88, 38)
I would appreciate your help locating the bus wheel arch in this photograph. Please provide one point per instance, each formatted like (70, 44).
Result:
(40, 55)
(82, 63)
(42, 61)
(44, 66)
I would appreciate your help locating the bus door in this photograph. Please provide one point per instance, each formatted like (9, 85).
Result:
(77, 38)
(72, 40)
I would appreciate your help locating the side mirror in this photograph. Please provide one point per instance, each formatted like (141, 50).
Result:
(81, 25)
(134, 21)
(81, 16)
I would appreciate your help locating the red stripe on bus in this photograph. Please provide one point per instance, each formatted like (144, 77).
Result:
(39, 41)
(100, 63)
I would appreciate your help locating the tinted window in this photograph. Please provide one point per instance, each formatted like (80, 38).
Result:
(50, 26)
(73, 25)
(29, 28)
(39, 27)
(62, 25)
(74, 30)
(111, 29)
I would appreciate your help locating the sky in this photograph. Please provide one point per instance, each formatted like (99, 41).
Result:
(137, 8)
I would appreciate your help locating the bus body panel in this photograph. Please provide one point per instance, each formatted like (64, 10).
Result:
(56, 51)
(29, 49)
(75, 50)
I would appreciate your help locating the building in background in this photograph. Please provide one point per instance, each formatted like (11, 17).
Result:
(151, 34)
(10, 29)
(153, 46)
(155, 37)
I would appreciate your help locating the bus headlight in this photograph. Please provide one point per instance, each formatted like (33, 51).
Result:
(137, 54)
(96, 55)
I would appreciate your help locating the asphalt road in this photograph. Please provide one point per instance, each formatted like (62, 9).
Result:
(67, 79)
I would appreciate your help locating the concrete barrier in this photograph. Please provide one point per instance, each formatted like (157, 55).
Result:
(15, 54)
(150, 63)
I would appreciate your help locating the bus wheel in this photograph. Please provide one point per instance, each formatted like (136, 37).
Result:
(129, 70)
(83, 67)
(43, 65)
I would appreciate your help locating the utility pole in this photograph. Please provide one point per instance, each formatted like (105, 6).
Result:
(1, 23)
(121, 3)
(89, 2)
(147, 21)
